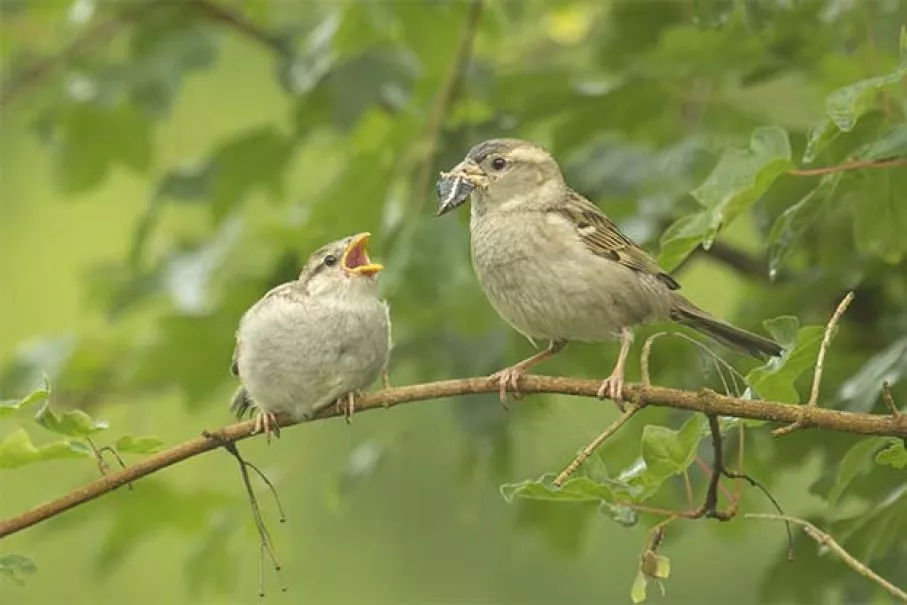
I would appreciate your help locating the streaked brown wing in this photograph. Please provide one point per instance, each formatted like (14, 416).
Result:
(602, 237)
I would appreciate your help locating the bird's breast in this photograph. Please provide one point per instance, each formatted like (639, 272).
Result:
(541, 279)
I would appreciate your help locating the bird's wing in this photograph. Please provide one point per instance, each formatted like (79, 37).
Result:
(288, 290)
(602, 237)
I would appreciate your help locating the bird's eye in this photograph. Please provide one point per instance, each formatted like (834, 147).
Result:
(330, 259)
(498, 163)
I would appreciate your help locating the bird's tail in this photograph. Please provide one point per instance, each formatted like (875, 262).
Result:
(688, 314)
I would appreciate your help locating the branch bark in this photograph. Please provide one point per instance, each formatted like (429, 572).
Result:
(705, 401)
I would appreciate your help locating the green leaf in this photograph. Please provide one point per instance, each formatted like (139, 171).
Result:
(638, 590)
(741, 176)
(147, 444)
(577, 489)
(665, 452)
(775, 379)
(818, 138)
(737, 181)
(681, 238)
(17, 450)
(895, 455)
(871, 533)
(90, 139)
(880, 214)
(253, 160)
(655, 566)
(861, 391)
(855, 462)
(11, 406)
(13, 567)
(892, 143)
(72, 423)
(619, 513)
(846, 105)
(794, 222)
(652, 566)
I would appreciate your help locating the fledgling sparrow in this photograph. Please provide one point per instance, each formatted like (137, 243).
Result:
(554, 266)
(314, 341)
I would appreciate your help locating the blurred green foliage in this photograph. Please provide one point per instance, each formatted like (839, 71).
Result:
(163, 164)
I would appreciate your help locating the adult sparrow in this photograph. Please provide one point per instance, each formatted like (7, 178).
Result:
(314, 341)
(555, 267)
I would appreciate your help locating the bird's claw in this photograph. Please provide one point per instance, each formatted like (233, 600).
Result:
(612, 388)
(508, 377)
(266, 422)
(346, 405)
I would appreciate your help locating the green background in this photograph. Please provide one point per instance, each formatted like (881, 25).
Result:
(123, 279)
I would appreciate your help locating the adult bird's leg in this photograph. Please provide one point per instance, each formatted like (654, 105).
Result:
(511, 376)
(612, 387)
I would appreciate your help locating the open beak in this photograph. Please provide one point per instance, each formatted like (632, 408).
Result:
(355, 258)
(454, 187)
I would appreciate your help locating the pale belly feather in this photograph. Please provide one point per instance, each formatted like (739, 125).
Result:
(542, 280)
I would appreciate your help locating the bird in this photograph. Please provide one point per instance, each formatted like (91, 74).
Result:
(314, 341)
(555, 267)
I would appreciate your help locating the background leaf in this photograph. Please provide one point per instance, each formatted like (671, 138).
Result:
(17, 450)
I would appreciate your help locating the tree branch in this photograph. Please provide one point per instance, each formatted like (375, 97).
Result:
(856, 165)
(820, 362)
(826, 540)
(705, 400)
(237, 21)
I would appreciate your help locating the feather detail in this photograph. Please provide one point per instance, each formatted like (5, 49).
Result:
(602, 237)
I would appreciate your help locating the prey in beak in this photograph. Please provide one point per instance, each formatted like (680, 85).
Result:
(454, 187)
(355, 259)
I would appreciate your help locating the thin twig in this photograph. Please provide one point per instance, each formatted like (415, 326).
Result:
(710, 506)
(704, 400)
(888, 399)
(708, 473)
(644, 357)
(855, 165)
(265, 542)
(445, 97)
(688, 487)
(587, 451)
(825, 539)
(237, 21)
(820, 363)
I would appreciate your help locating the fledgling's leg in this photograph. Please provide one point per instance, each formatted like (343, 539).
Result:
(511, 376)
(346, 404)
(613, 386)
(266, 422)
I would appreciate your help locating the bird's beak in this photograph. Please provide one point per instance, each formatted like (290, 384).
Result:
(455, 186)
(355, 258)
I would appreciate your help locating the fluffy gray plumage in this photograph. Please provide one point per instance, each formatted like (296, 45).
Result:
(308, 342)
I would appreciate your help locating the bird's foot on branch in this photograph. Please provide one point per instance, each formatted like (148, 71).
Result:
(612, 388)
(266, 422)
(346, 405)
(508, 377)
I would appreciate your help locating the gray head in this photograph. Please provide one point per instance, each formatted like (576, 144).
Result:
(497, 171)
(340, 268)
